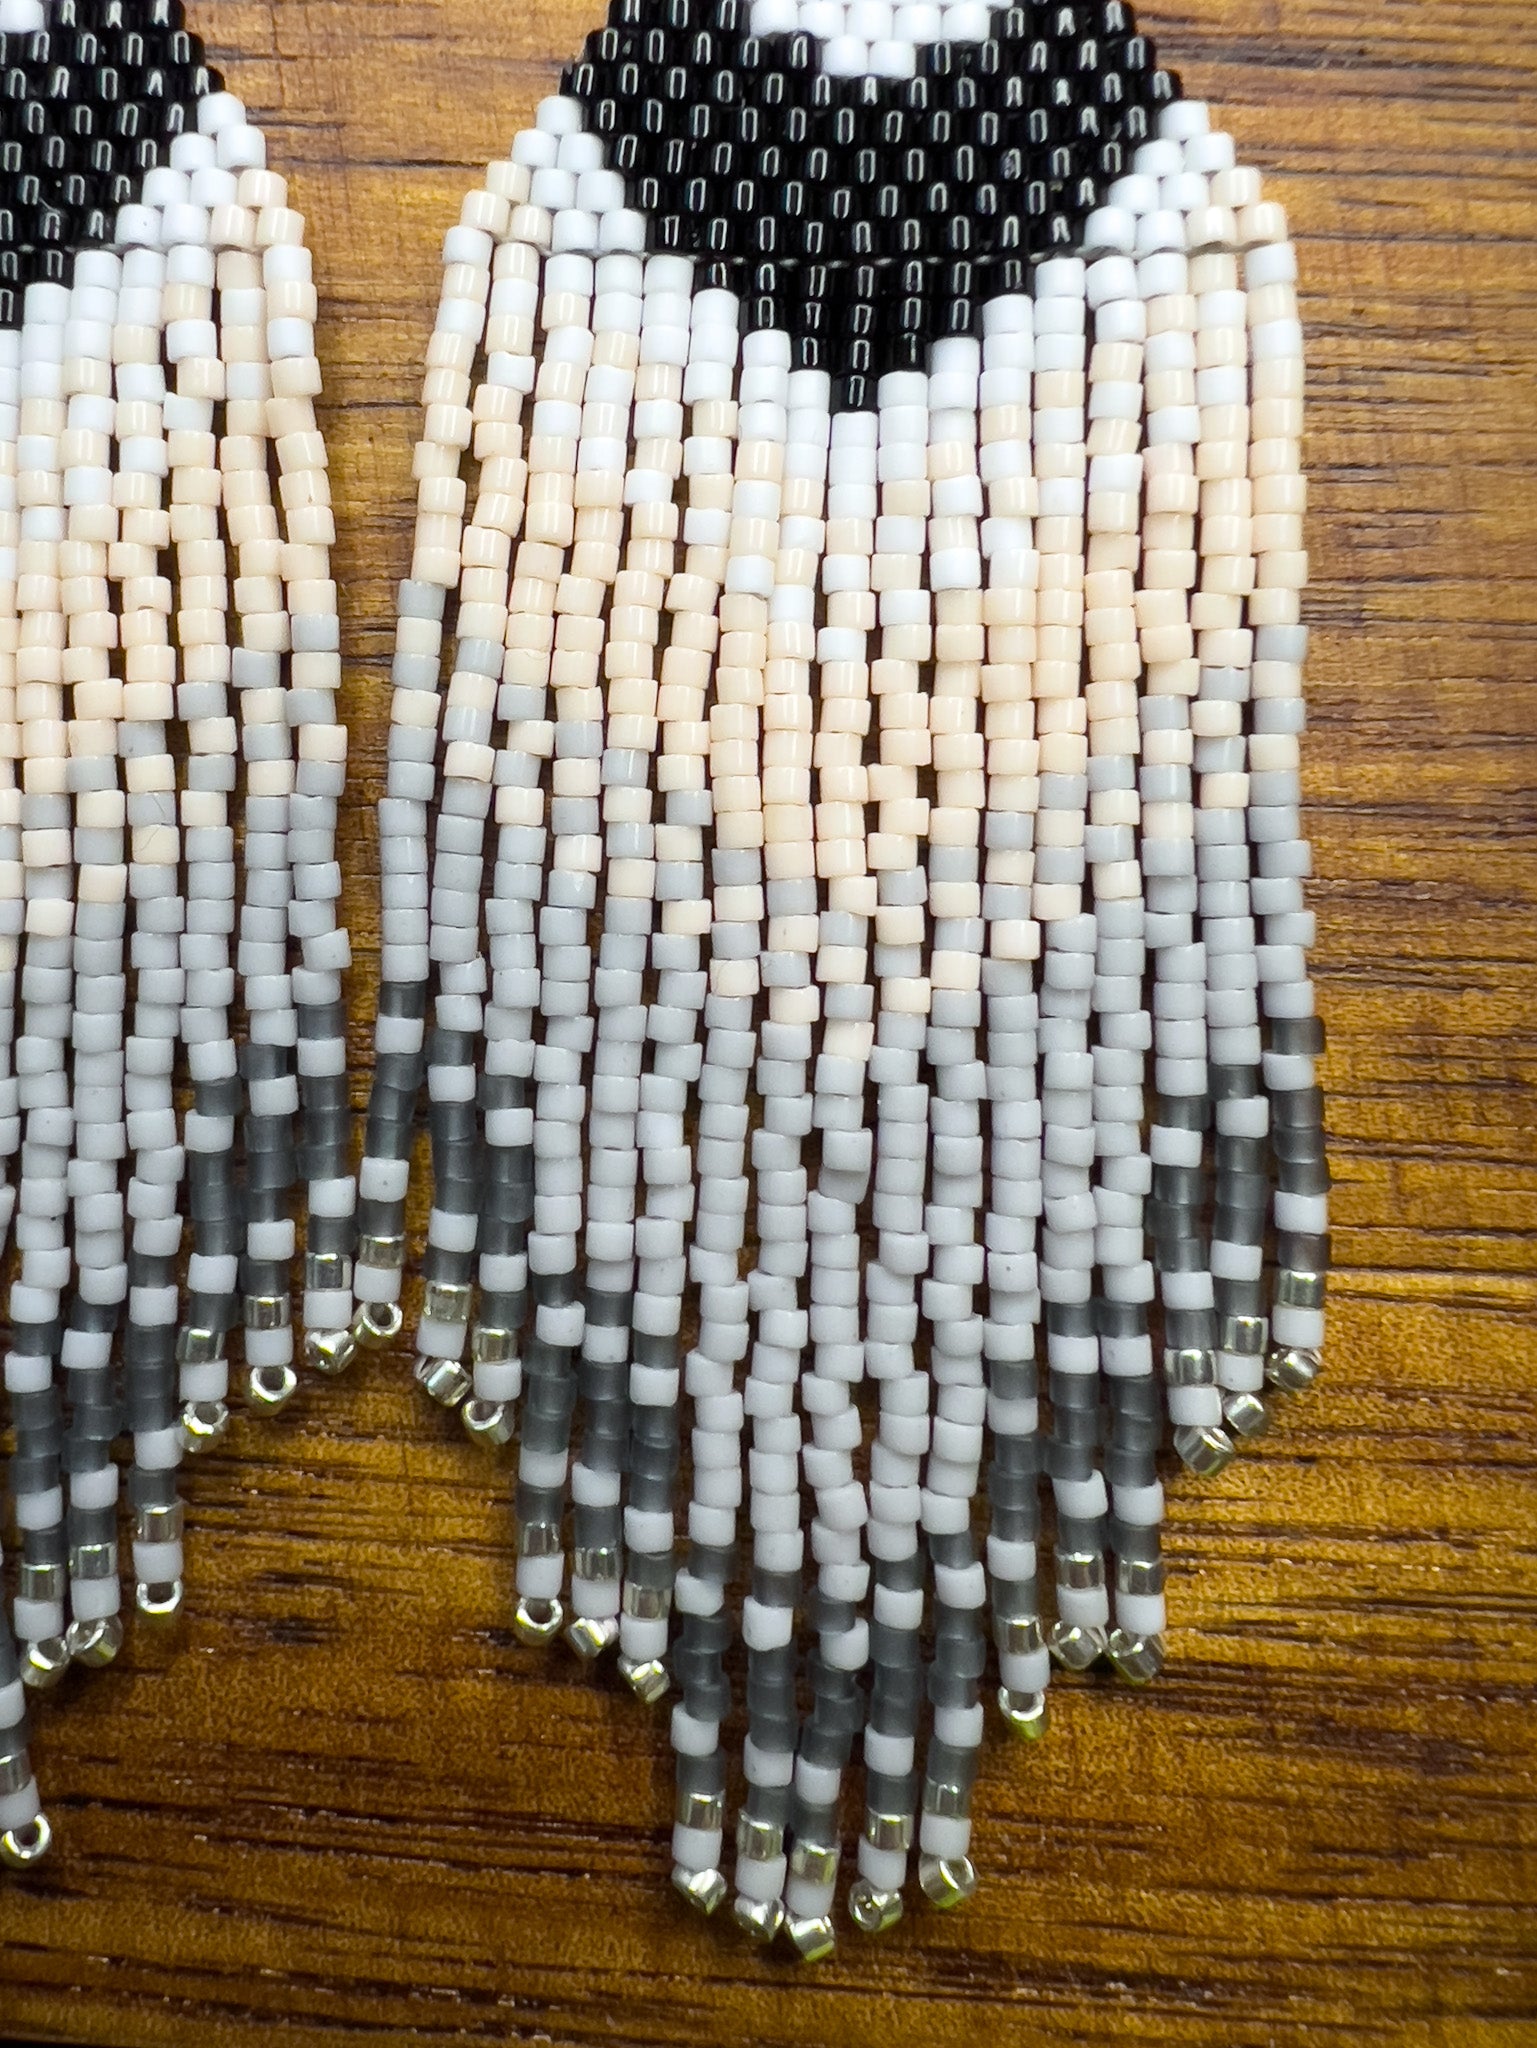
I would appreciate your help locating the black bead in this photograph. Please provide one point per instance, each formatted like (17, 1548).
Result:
(882, 212)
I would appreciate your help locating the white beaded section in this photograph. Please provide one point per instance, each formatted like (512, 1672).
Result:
(879, 37)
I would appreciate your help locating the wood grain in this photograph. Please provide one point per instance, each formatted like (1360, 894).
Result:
(341, 1802)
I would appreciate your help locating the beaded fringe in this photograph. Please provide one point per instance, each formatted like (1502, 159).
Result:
(846, 909)
(172, 1030)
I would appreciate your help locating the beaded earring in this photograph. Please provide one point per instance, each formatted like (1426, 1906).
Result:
(168, 670)
(843, 884)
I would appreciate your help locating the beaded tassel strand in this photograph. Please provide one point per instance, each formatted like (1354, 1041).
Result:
(156, 348)
(973, 703)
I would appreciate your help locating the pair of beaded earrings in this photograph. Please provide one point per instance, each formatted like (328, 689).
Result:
(855, 618)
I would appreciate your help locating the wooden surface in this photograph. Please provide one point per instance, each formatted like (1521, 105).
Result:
(343, 1802)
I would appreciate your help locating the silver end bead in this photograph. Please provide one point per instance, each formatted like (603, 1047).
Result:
(1246, 1415)
(538, 1621)
(759, 1919)
(872, 1910)
(25, 1847)
(814, 1939)
(1137, 1659)
(377, 1324)
(947, 1881)
(705, 1890)
(95, 1644)
(1076, 1648)
(1293, 1370)
(330, 1352)
(270, 1388)
(590, 1637)
(202, 1424)
(159, 1602)
(647, 1677)
(44, 1663)
(443, 1380)
(491, 1423)
(1205, 1452)
(1027, 1713)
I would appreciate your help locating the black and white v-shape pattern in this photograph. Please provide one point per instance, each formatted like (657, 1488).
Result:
(868, 216)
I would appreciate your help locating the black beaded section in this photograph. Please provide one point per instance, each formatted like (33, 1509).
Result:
(87, 107)
(868, 217)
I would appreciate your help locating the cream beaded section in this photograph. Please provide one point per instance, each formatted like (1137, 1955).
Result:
(843, 903)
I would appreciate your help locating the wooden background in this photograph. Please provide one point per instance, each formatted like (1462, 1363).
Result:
(342, 1802)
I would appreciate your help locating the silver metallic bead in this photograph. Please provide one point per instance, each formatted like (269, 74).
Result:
(266, 1311)
(704, 1889)
(1246, 1414)
(1205, 1451)
(41, 1582)
(1139, 1575)
(1245, 1336)
(95, 1643)
(160, 1601)
(1018, 1635)
(21, 1848)
(491, 1423)
(491, 1346)
(813, 1938)
(1291, 1370)
(759, 1919)
(1137, 1659)
(330, 1351)
(888, 1830)
(947, 1880)
(44, 1663)
(1298, 1289)
(538, 1621)
(377, 1324)
(1190, 1368)
(446, 1301)
(93, 1561)
(443, 1379)
(758, 1841)
(384, 1254)
(647, 1603)
(872, 1910)
(702, 1810)
(196, 1346)
(1081, 1571)
(590, 1638)
(951, 1800)
(270, 1388)
(598, 1563)
(817, 1862)
(539, 1539)
(1076, 1648)
(160, 1525)
(331, 1271)
(647, 1678)
(15, 1772)
(202, 1425)
(1025, 1712)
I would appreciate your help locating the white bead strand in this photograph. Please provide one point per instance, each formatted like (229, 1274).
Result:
(98, 995)
(719, 1409)
(39, 1612)
(24, 1831)
(1123, 1024)
(1012, 1012)
(171, 502)
(952, 1473)
(896, 819)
